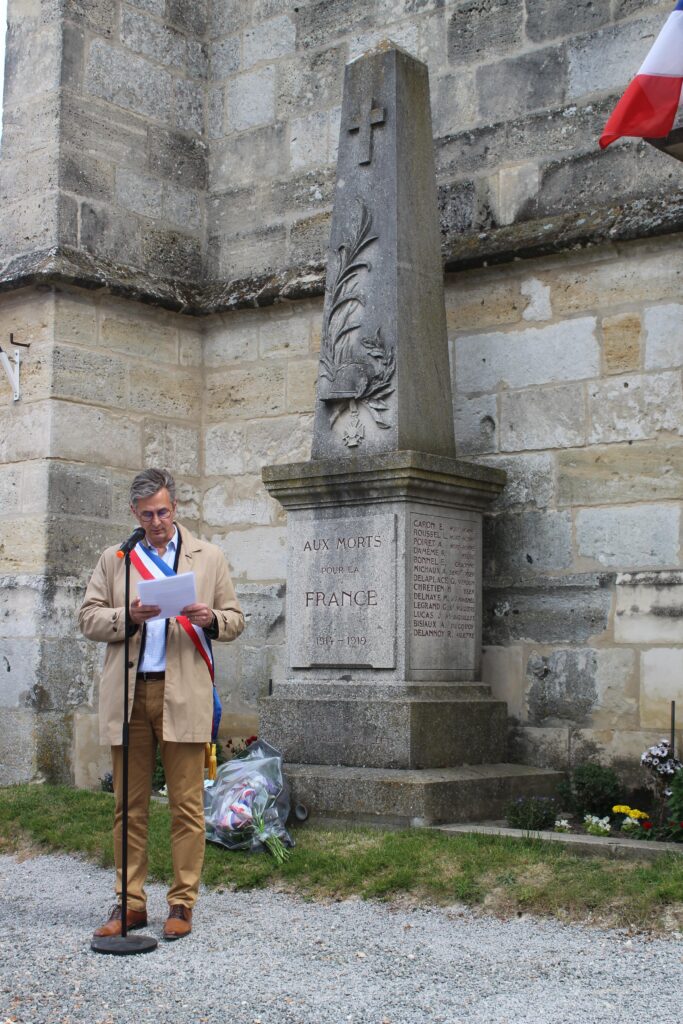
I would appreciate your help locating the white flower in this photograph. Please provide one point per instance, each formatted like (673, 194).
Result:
(597, 826)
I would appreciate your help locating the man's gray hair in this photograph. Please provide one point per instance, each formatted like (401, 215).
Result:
(149, 482)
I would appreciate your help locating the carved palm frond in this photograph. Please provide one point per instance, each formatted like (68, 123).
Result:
(326, 368)
(345, 297)
(375, 363)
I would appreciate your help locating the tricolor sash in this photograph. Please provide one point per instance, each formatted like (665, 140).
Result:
(151, 567)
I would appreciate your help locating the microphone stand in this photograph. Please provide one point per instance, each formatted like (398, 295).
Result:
(124, 944)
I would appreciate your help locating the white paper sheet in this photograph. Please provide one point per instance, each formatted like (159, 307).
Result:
(171, 594)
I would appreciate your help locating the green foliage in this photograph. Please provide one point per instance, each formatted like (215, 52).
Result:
(594, 790)
(565, 796)
(532, 813)
(669, 832)
(158, 776)
(675, 801)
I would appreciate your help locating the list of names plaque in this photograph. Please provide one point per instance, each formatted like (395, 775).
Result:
(443, 592)
(341, 599)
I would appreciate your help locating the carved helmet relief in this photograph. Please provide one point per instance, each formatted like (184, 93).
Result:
(356, 368)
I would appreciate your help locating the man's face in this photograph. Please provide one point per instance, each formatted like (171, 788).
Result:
(156, 515)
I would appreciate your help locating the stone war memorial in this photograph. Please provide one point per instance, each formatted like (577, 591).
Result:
(359, 275)
(384, 704)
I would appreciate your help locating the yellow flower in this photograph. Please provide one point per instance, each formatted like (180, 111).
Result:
(630, 812)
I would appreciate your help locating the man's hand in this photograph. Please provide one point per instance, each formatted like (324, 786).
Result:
(140, 613)
(198, 614)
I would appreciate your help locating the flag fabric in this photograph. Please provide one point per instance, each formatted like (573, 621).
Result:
(648, 107)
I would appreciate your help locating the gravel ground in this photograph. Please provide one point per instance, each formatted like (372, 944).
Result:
(275, 959)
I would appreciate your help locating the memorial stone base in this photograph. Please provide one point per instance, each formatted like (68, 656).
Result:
(410, 798)
(383, 716)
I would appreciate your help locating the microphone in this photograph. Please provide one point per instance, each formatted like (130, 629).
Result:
(129, 544)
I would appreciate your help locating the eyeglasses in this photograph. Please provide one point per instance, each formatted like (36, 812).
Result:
(160, 513)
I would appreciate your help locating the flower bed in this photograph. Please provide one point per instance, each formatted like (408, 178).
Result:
(624, 823)
(587, 804)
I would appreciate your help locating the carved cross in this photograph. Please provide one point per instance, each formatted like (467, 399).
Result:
(370, 117)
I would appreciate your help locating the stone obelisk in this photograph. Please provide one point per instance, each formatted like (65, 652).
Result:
(384, 381)
(382, 709)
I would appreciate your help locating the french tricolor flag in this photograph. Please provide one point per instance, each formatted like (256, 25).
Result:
(648, 107)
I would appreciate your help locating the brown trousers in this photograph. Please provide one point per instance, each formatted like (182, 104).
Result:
(184, 769)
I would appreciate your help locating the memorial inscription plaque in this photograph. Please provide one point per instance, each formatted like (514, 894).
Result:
(342, 592)
(443, 592)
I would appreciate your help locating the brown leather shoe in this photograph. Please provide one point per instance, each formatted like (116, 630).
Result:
(134, 919)
(178, 923)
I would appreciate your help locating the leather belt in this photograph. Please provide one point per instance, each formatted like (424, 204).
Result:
(148, 677)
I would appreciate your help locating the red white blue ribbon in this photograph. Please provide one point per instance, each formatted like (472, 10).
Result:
(151, 567)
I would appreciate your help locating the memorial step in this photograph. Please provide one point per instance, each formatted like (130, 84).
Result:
(392, 797)
(405, 732)
(324, 689)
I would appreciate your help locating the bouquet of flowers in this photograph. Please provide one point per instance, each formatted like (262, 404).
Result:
(662, 763)
(248, 804)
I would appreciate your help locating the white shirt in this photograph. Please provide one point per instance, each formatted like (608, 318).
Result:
(154, 654)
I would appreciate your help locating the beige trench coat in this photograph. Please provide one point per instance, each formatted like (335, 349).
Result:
(188, 704)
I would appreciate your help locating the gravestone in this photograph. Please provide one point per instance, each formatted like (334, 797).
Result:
(382, 716)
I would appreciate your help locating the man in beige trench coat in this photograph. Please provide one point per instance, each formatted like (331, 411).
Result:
(170, 696)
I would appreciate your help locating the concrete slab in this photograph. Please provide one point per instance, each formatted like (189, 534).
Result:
(613, 847)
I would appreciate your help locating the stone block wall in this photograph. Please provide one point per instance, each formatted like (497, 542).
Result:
(520, 92)
(103, 150)
(260, 370)
(186, 149)
(29, 168)
(567, 374)
(24, 450)
(107, 386)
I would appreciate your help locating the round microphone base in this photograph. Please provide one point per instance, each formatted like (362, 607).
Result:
(123, 945)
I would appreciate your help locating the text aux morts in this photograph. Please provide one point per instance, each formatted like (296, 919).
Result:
(342, 598)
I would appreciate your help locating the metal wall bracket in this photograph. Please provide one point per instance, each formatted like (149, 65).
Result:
(12, 373)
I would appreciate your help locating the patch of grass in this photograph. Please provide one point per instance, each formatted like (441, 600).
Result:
(58, 818)
(502, 876)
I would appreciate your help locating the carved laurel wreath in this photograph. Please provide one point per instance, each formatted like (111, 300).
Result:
(354, 370)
